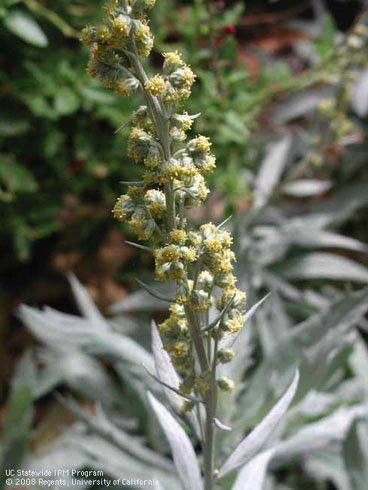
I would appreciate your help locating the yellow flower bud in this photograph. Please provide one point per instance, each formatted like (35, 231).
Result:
(156, 85)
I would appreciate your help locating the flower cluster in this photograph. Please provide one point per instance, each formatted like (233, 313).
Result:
(143, 211)
(200, 262)
(175, 82)
(112, 41)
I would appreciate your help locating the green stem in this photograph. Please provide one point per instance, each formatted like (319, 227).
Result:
(197, 338)
(210, 400)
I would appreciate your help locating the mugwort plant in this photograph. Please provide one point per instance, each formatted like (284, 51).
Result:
(199, 262)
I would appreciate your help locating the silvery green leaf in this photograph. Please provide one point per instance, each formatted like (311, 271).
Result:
(75, 449)
(272, 167)
(242, 345)
(306, 340)
(141, 300)
(165, 370)
(24, 26)
(339, 207)
(359, 99)
(26, 371)
(253, 474)
(309, 237)
(220, 425)
(327, 464)
(101, 425)
(272, 329)
(318, 435)
(61, 454)
(306, 187)
(255, 441)
(316, 404)
(300, 105)
(59, 330)
(230, 341)
(249, 314)
(85, 303)
(104, 456)
(355, 459)
(184, 456)
(320, 265)
(80, 372)
(312, 438)
(358, 361)
(16, 430)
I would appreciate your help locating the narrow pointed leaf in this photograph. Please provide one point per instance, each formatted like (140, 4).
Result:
(249, 314)
(154, 293)
(306, 187)
(360, 95)
(252, 475)
(221, 425)
(165, 369)
(167, 375)
(320, 265)
(171, 388)
(101, 425)
(256, 440)
(254, 308)
(184, 456)
(24, 26)
(271, 170)
(355, 459)
(85, 303)
(139, 246)
(226, 220)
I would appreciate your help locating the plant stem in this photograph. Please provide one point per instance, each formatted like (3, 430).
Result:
(209, 446)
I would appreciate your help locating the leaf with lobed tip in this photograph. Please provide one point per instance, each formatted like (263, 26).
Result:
(318, 435)
(85, 303)
(252, 475)
(254, 442)
(80, 372)
(308, 343)
(60, 330)
(314, 437)
(184, 456)
(101, 425)
(77, 449)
